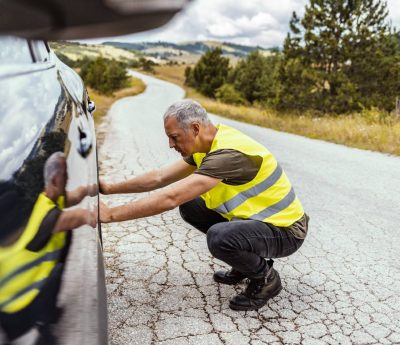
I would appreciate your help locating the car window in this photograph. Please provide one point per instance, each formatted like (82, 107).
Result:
(40, 51)
(14, 50)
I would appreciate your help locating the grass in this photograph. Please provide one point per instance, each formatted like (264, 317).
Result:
(104, 102)
(372, 130)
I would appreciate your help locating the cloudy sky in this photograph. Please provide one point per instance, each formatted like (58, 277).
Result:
(251, 22)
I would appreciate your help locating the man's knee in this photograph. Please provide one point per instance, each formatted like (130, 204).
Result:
(184, 211)
(216, 239)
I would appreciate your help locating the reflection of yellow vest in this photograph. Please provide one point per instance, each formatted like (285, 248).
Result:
(269, 197)
(22, 272)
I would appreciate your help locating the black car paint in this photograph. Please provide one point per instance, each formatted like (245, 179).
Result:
(44, 109)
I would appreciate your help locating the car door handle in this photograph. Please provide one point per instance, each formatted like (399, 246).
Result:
(91, 107)
(85, 142)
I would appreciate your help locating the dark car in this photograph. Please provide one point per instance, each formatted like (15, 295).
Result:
(52, 284)
(48, 286)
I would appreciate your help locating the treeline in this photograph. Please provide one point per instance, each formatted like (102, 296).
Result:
(102, 74)
(342, 56)
(106, 75)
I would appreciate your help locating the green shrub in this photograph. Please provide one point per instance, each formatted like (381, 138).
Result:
(228, 94)
(104, 75)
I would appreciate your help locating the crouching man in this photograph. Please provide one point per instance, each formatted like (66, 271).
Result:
(232, 189)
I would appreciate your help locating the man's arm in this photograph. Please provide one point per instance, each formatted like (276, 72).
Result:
(71, 219)
(75, 196)
(56, 221)
(151, 180)
(167, 199)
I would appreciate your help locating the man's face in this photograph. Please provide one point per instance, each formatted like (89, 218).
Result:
(182, 140)
(61, 177)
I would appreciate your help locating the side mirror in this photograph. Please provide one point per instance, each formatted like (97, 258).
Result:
(77, 19)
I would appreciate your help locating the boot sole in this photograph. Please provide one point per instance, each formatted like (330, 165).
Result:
(247, 308)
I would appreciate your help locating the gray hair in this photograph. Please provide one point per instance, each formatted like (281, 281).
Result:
(187, 111)
(52, 166)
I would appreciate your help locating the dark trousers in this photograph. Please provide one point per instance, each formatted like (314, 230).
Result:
(242, 244)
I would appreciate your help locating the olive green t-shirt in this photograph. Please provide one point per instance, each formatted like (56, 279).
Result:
(235, 168)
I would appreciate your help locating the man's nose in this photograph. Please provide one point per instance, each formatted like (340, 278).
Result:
(171, 143)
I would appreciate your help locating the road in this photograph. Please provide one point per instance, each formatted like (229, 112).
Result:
(342, 287)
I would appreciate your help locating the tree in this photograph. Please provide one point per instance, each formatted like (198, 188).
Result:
(209, 73)
(104, 75)
(339, 57)
(254, 77)
(146, 64)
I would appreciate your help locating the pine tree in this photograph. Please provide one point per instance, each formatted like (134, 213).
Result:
(339, 57)
(254, 77)
(210, 72)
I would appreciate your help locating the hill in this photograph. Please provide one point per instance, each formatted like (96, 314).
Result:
(160, 52)
(187, 52)
(76, 51)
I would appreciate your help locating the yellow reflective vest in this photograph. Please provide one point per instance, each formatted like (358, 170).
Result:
(269, 197)
(23, 272)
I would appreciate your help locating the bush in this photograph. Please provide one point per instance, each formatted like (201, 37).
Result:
(209, 73)
(134, 64)
(104, 75)
(146, 65)
(228, 94)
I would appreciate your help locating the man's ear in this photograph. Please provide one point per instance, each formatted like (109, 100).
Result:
(195, 128)
(54, 181)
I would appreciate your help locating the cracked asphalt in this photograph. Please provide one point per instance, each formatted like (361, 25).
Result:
(341, 287)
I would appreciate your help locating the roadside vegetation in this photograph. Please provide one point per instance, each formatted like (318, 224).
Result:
(337, 78)
(103, 102)
(106, 80)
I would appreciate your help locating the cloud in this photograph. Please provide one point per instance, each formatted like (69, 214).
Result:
(35, 110)
(255, 22)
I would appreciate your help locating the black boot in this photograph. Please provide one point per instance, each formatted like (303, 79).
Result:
(258, 292)
(230, 277)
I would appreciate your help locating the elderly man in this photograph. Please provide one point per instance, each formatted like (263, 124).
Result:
(232, 189)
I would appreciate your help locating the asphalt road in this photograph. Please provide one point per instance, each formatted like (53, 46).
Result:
(342, 287)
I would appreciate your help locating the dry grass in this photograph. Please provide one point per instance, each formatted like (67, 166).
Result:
(371, 130)
(174, 73)
(104, 102)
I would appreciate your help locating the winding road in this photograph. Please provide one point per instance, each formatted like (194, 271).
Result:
(342, 287)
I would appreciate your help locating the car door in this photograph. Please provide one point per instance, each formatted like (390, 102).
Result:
(44, 111)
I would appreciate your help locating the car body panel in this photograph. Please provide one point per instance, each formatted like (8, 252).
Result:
(44, 109)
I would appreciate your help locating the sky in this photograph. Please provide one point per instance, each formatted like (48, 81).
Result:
(253, 22)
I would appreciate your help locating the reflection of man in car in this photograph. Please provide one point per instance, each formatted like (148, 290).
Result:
(231, 188)
(31, 259)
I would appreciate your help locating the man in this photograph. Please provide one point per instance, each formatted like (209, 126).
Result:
(31, 258)
(232, 189)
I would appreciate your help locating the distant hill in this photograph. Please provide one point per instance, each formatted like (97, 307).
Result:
(188, 52)
(160, 52)
(77, 50)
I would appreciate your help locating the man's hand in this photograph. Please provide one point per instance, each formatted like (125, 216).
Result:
(105, 213)
(74, 218)
(92, 218)
(104, 188)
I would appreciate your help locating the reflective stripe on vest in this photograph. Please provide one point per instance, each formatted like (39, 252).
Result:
(269, 197)
(253, 191)
(23, 272)
(46, 257)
